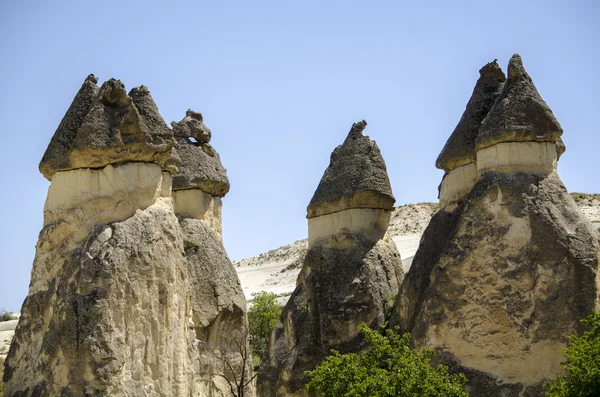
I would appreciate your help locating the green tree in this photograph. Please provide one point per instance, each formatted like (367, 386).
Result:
(262, 317)
(388, 367)
(582, 365)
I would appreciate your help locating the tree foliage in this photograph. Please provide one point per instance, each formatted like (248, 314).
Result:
(582, 365)
(389, 367)
(262, 317)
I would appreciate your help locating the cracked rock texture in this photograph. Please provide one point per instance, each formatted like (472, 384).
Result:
(107, 126)
(127, 297)
(503, 276)
(356, 177)
(350, 274)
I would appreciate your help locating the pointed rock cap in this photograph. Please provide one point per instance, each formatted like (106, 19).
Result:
(460, 147)
(519, 114)
(192, 126)
(107, 126)
(356, 177)
(201, 166)
(56, 156)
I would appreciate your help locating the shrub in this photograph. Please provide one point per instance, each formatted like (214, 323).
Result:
(262, 317)
(389, 367)
(582, 365)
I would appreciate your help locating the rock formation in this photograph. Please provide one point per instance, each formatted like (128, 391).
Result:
(126, 285)
(458, 155)
(350, 274)
(505, 274)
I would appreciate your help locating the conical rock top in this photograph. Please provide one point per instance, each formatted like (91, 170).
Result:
(356, 177)
(201, 166)
(519, 114)
(106, 126)
(56, 156)
(460, 147)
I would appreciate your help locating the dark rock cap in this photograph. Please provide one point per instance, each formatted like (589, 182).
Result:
(201, 166)
(519, 114)
(460, 147)
(192, 126)
(56, 156)
(356, 177)
(107, 126)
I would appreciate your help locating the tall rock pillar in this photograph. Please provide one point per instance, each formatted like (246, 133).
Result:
(503, 277)
(116, 300)
(350, 274)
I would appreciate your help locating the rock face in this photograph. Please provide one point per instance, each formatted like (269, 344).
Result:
(125, 289)
(503, 277)
(106, 126)
(350, 274)
(458, 155)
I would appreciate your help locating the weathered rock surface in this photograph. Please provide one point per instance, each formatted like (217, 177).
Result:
(336, 291)
(106, 126)
(356, 177)
(460, 147)
(201, 166)
(503, 277)
(499, 283)
(519, 114)
(350, 274)
(128, 295)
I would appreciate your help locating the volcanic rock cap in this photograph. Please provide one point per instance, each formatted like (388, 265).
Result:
(520, 132)
(501, 279)
(354, 194)
(106, 126)
(202, 180)
(458, 155)
(350, 274)
(356, 177)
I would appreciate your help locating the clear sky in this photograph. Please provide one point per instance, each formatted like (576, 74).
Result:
(280, 83)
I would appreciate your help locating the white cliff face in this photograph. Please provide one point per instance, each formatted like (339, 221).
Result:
(199, 205)
(457, 183)
(371, 223)
(535, 157)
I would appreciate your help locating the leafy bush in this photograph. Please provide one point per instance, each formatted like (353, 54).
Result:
(262, 317)
(6, 316)
(389, 367)
(582, 365)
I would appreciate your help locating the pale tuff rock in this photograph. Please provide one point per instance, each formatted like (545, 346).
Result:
(458, 156)
(503, 277)
(350, 274)
(106, 126)
(356, 177)
(519, 114)
(124, 292)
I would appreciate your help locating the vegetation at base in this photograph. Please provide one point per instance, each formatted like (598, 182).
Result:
(6, 316)
(262, 317)
(582, 365)
(388, 367)
(578, 196)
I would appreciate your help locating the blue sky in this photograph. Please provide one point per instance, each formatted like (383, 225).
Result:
(280, 83)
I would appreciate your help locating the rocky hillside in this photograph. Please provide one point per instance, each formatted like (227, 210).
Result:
(276, 270)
